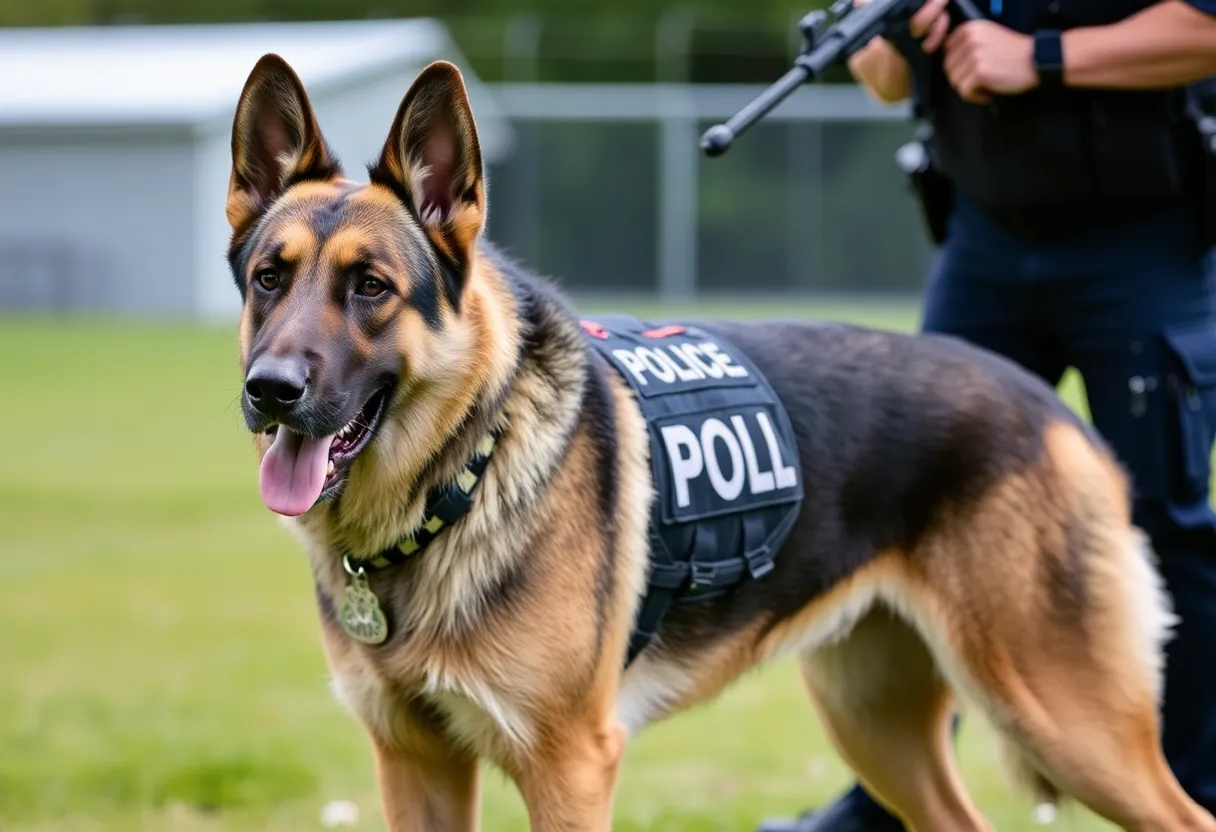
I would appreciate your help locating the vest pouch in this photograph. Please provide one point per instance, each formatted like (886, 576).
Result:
(1191, 387)
(1045, 139)
(1015, 157)
(1136, 150)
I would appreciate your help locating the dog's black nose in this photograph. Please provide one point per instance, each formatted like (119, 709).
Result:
(274, 384)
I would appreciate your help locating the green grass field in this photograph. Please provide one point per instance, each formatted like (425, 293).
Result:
(159, 661)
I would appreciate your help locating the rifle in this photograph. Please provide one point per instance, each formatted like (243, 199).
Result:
(825, 45)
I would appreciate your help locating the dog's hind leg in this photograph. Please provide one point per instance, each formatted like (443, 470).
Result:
(1079, 701)
(1041, 605)
(889, 712)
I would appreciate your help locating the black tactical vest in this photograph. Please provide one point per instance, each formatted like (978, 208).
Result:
(723, 459)
(1052, 162)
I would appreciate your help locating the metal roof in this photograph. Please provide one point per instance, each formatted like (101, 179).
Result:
(138, 75)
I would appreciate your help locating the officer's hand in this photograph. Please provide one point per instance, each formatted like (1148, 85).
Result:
(985, 58)
(880, 68)
(930, 24)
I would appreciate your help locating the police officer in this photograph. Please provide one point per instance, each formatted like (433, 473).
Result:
(1076, 236)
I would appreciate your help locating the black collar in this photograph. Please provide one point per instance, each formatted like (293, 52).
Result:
(445, 505)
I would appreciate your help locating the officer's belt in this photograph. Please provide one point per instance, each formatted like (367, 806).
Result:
(1044, 224)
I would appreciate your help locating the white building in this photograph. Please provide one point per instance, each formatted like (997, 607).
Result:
(115, 148)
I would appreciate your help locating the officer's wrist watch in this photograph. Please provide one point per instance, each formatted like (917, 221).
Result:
(1049, 58)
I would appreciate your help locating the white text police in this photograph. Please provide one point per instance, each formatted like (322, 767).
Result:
(669, 363)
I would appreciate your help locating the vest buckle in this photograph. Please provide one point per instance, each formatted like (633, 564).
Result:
(702, 574)
(759, 562)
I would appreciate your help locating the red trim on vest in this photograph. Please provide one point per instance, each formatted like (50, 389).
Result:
(664, 332)
(594, 330)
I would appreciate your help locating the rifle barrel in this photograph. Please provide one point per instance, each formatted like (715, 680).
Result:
(717, 139)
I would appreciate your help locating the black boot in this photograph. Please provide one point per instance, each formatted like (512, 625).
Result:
(855, 811)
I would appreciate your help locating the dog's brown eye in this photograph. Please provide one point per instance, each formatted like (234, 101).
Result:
(370, 287)
(268, 279)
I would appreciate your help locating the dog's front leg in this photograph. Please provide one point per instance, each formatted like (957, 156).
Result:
(568, 785)
(429, 792)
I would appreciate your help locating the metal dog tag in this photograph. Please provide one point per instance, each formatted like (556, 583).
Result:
(361, 616)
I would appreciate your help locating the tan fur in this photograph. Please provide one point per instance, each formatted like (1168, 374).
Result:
(444, 376)
(455, 657)
(887, 709)
(659, 685)
(1035, 600)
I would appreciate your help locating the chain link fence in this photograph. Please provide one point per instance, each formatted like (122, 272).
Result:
(607, 191)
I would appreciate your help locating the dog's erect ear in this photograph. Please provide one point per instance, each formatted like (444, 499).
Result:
(275, 141)
(432, 160)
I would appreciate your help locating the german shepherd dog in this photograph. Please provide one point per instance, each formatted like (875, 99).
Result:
(962, 533)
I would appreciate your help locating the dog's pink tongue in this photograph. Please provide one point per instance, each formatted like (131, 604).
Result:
(293, 472)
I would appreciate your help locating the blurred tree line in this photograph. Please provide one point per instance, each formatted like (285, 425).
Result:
(715, 41)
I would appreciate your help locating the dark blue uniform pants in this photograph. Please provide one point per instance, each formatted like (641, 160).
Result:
(1134, 310)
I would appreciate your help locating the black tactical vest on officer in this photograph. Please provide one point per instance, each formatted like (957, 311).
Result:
(723, 460)
(1055, 161)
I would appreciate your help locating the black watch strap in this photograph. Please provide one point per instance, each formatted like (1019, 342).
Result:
(1049, 58)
